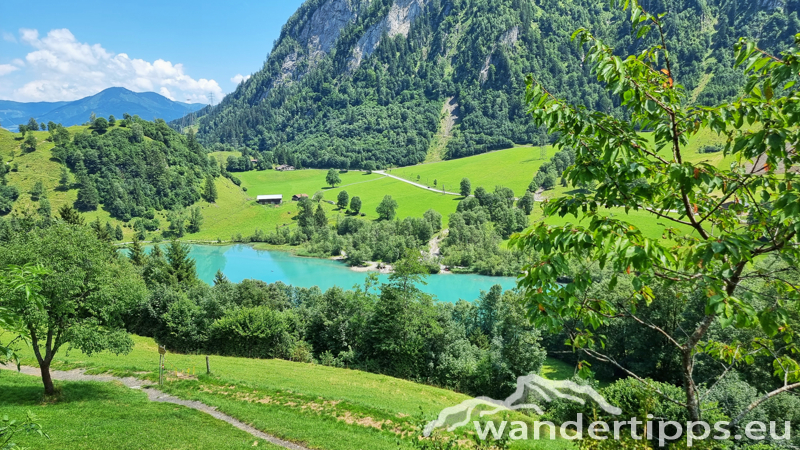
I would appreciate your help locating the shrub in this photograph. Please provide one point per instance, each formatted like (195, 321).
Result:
(257, 332)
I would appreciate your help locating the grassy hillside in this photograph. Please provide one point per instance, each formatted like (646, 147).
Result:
(129, 420)
(236, 211)
(324, 407)
(515, 168)
(39, 166)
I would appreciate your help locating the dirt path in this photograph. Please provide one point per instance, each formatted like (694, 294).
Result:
(154, 395)
(421, 186)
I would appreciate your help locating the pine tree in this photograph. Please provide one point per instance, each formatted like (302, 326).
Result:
(118, 233)
(88, 198)
(100, 230)
(140, 232)
(210, 191)
(70, 216)
(37, 191)
(44, 207)
(195, 220)
(181, 266)
(320, 219)
(220, 278)
(136, 252)
(177, 223)
(109, 230)
(63, 179)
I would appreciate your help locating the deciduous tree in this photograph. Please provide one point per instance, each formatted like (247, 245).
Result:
(466, 187)
(79, 303)
(355, 205)
(332, 178)
(714, 222)
(387, 208)
(342, 200)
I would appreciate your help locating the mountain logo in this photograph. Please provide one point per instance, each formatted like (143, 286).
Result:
(548, 390)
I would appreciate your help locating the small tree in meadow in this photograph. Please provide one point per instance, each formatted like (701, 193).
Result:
(387, 208)
(355, 205)
(30, 143)
(342, 200)
(210, 190)
(100, 125)
(37, 191)
(63, 179)
(332, 178)
(466, 187)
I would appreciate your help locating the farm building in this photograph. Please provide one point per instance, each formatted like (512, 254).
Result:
(285, 168)
(270, 199)
(298, 197)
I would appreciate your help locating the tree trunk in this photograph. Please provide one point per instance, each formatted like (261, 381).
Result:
(44, 362)
(49, 388)
(692, 401)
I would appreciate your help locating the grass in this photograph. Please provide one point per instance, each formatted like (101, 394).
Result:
(650, 226)
(91, 415)
(324, 407)
(237, 213)
(412, 201)
(513, 168)
(39, 165)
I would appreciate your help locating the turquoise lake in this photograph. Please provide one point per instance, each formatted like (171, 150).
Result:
(239, 262)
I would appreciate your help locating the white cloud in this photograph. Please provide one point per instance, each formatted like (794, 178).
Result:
(166, 93)
(61, 68)
(5, 69)
(239, 78)
(8, 37)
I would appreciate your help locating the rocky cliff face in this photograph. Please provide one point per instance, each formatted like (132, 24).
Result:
(398, 21)
(321, 32)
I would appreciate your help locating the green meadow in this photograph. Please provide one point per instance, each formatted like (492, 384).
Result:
(236, 211)
(94, 415)
(322, 407)
(513, 168)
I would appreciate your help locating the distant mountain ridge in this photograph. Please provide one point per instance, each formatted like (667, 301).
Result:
(112, 101)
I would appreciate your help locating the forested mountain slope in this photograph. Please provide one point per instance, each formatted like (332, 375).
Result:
(352, 81)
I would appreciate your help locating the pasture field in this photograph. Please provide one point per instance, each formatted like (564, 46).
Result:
(94, 415)
(515, 167)
(324, 407)
(237, 213)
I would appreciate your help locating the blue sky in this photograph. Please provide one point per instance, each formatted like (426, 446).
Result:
(57, 50)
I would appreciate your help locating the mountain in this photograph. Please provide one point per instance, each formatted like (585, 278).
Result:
(113, 101)
(351, 82)
(15, 113)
